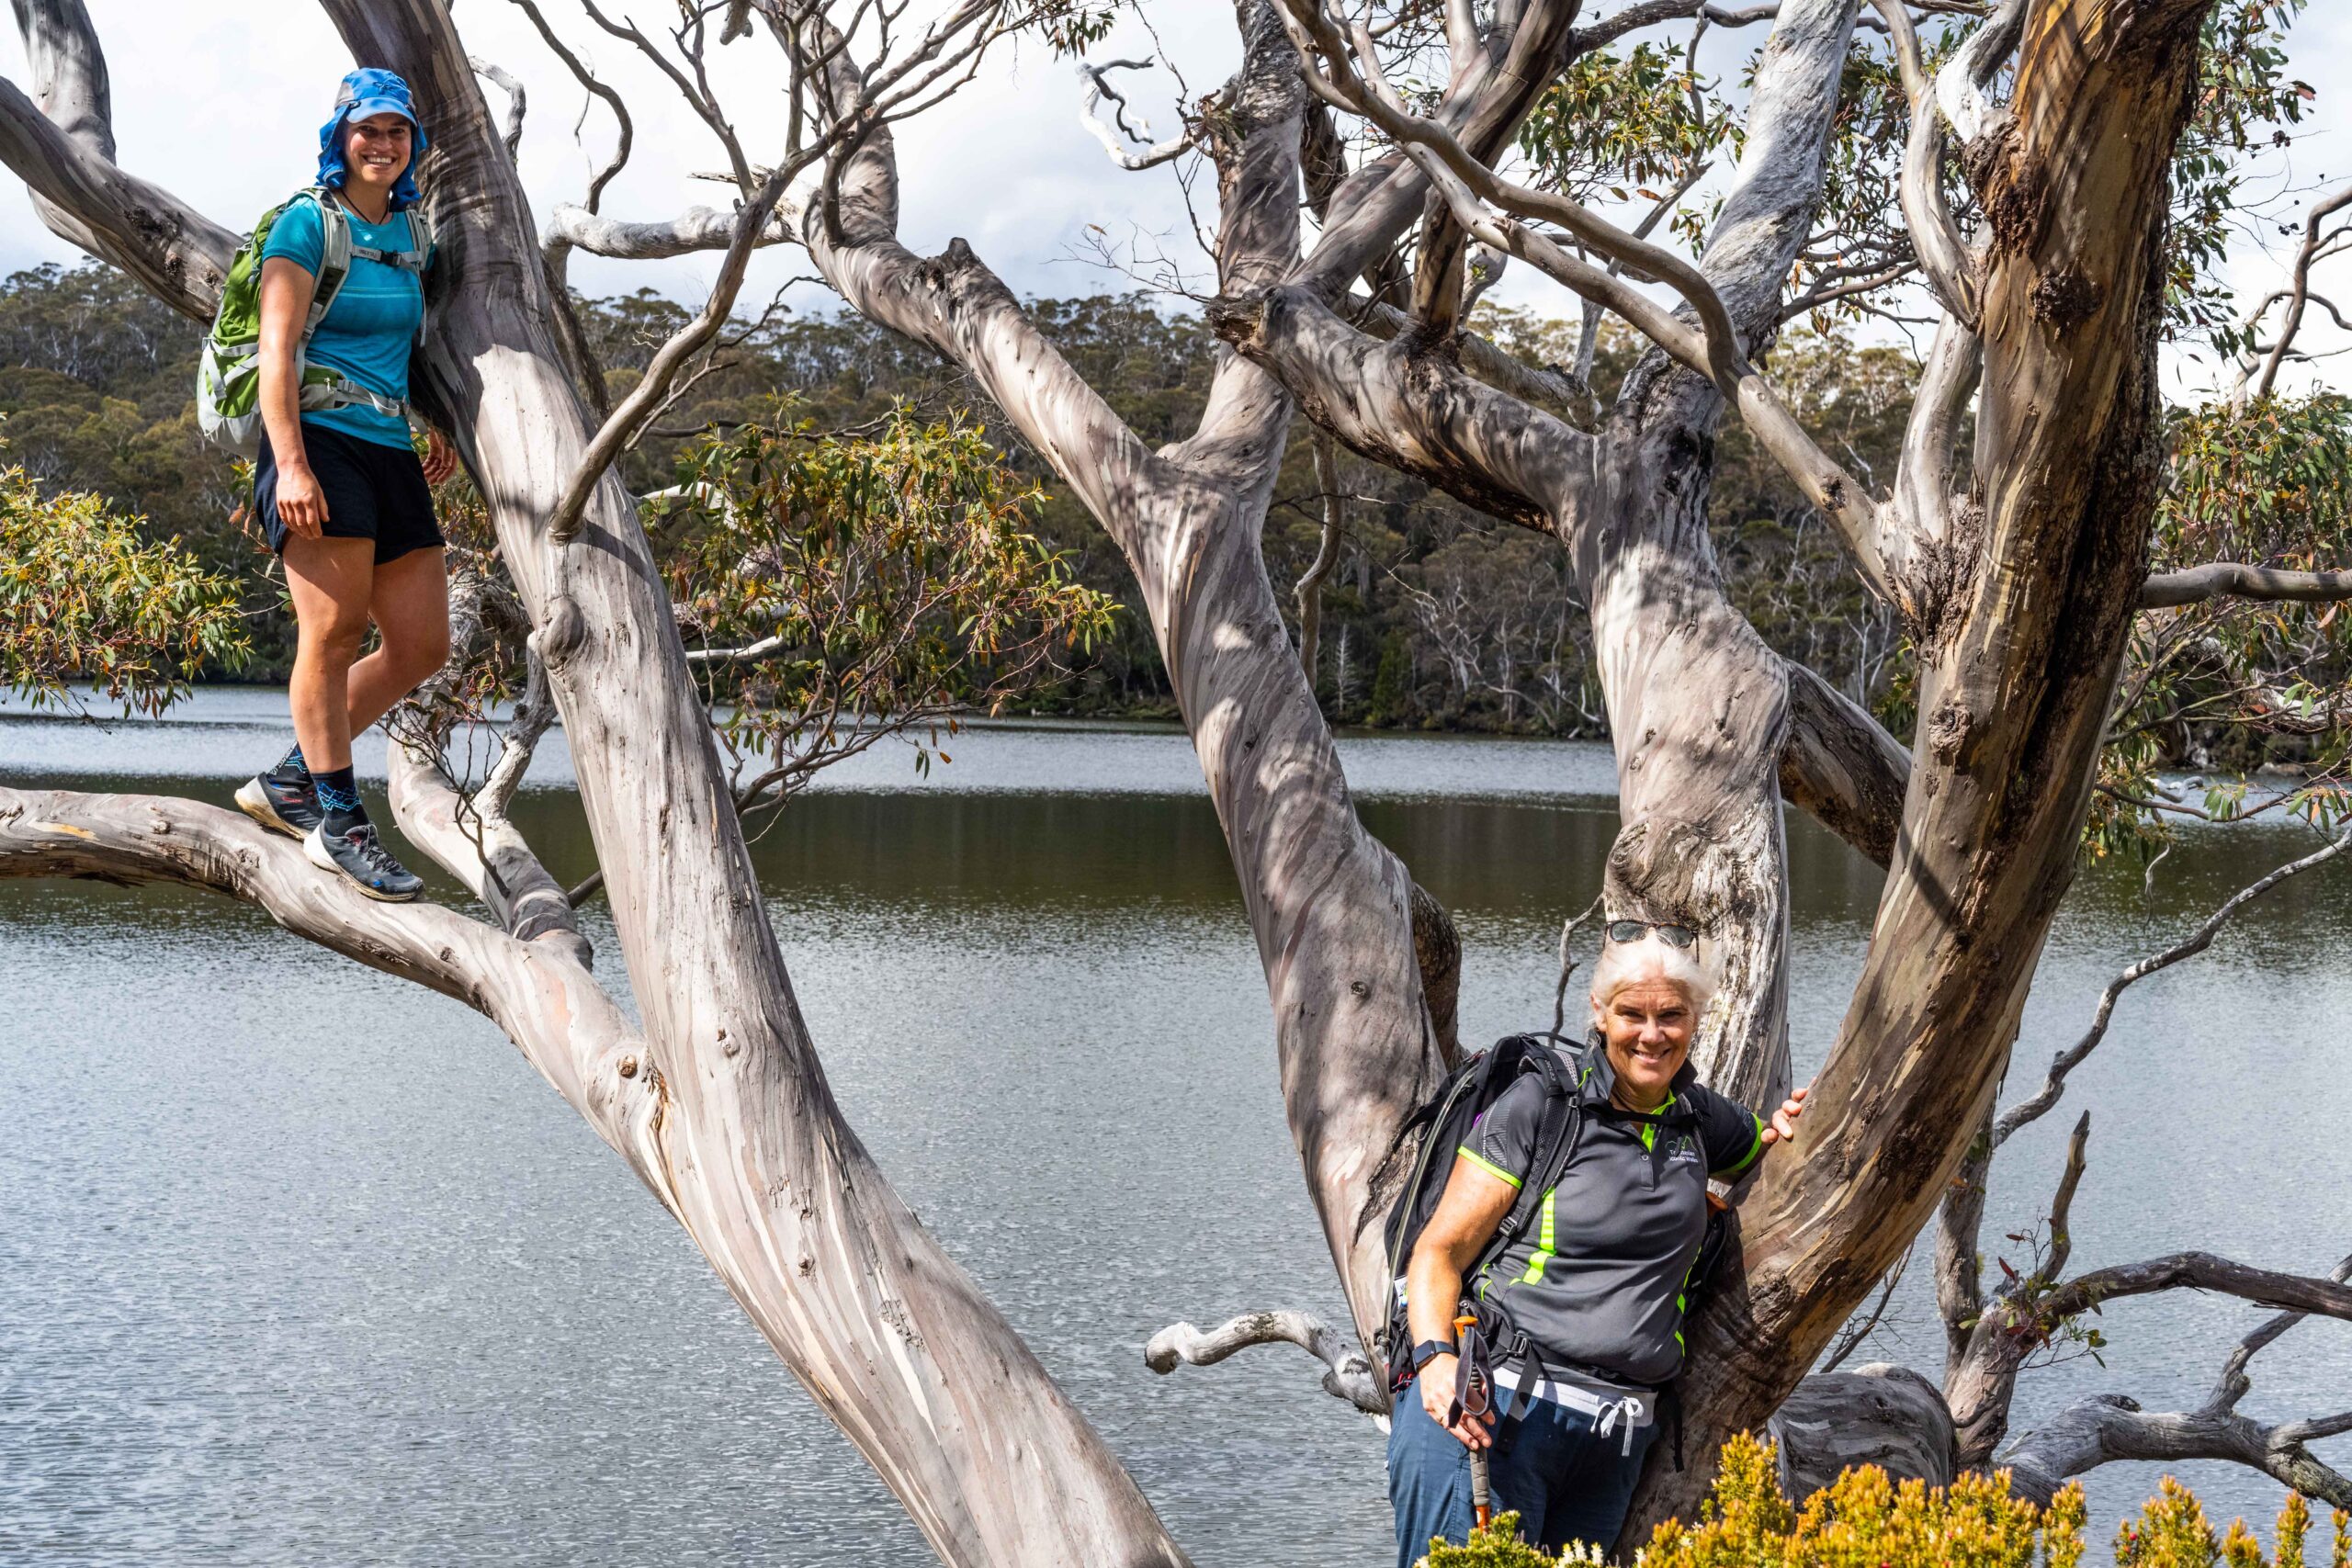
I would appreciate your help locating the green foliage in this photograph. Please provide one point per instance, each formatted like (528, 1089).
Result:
(862, 585)
(1865, 1519)
(2234, 686)
(1069, 26)
(2245, 101)
(2172, 1532)
(1627, 126)
(84, 597)
(1857, 236)
(1476, 623)
(1499, 1545)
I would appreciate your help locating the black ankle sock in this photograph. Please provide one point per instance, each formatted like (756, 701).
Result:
(339, 799)
(292, 768)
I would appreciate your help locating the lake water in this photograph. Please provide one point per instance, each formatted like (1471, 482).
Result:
(301, 1265)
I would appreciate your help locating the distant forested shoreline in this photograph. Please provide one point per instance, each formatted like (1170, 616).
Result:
(1434, 618)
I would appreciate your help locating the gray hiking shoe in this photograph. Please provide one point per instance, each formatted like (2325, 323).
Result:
(357, 854)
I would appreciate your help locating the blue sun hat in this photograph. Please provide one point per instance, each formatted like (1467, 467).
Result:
(365, 91)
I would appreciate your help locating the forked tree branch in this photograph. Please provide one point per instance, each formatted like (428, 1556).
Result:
(1349, 1374)
(470, 835)
(2233, 1384)
(1097, 89)
(1715, 348)
(625, 128)
(2316, 237)
(1954, 275)
(517, 99)
(564, 1023)
(2195, 1272)
(1960, 85)
(63, 148)
(2196, 941)
(2110, 1427)
(1560, 396)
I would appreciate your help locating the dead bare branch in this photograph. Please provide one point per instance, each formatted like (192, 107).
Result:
(63, 148)
(1349, 1374)
(2195, 942)
(1851, 1337)
(2316, 236)
(650, 395)
(2192, 585)
(1098, 89)
(516, 100)
(587, 79)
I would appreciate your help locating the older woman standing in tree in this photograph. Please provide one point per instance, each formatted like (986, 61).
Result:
(339, 488)
(1597, 1284)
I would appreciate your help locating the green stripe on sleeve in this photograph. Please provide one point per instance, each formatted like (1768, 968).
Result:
(1497, 1172)
(1753, 1150)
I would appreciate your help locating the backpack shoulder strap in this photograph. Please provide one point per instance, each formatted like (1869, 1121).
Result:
(421, 237)
(335, 255)
(1555, 1135)
(421, 242)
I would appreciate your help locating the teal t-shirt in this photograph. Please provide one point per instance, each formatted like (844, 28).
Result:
(371, 326)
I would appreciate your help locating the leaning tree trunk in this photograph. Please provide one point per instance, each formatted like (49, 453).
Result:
(890, 1335)
(1333, 911)
(2017, 669)
(1698, 705)
(720, 1104)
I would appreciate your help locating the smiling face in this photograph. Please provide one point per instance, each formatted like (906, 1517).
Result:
(375, 151)
(1646, 1028)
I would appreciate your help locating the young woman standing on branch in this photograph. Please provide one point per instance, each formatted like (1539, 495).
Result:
(340, 490)
(1595, 1289)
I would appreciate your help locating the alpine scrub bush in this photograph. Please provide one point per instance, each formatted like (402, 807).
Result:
(1868, 1520)
(1499, 1546)
(2172, 1532)
(85, 597)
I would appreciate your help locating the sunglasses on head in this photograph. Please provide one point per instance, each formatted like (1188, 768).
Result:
(1634, 931)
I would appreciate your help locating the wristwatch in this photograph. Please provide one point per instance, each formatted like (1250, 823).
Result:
(1430, 1349)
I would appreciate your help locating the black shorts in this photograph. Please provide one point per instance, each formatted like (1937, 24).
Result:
(373, 491)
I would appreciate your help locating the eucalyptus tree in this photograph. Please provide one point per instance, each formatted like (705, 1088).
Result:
(2017, 558)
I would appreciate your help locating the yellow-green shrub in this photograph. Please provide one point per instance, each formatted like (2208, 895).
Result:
(1867, 1520)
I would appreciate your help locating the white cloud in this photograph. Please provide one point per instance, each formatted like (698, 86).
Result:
(221, 102)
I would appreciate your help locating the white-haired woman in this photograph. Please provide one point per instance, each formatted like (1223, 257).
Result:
(1595, 1282)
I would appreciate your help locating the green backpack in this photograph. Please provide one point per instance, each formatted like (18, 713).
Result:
(227, 376)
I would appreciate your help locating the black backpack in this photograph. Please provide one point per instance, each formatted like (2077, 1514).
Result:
(1444, 1123)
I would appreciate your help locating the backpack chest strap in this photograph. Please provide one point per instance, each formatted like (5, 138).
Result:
(407, 261)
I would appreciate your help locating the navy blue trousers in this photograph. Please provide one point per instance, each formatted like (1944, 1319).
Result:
(1566, 1481)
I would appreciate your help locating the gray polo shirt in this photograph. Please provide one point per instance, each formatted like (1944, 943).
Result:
(1595, 1280)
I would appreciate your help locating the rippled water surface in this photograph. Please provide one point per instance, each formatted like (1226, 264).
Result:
(302, 1265)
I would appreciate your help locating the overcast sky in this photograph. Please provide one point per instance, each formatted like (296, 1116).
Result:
(221, 102)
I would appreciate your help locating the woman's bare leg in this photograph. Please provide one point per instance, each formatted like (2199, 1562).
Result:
(411, 609)
(332, 582)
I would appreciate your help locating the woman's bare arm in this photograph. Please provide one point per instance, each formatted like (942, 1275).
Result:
(1472, 1204)
(286, 287)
